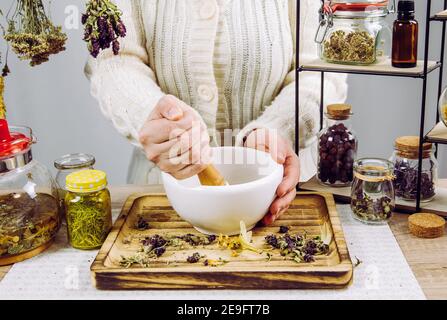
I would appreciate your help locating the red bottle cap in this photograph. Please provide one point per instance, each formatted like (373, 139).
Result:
(12, 142)
(350, 6)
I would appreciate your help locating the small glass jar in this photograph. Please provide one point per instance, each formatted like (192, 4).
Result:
(70, 163)
(354, 33)
(88, 209)
(372, 191)
(443, 106)
(405, 160)
(337, 147)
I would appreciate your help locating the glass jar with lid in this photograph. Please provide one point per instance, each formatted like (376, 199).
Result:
(88, 209)
(354, 32)
(337, 147)
(406, 164)
(372, 191)
(29, 210)
(68, 164)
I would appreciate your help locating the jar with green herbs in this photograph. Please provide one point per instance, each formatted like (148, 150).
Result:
(88, 209)
(354, 33)
(406, 167)
(372, 191)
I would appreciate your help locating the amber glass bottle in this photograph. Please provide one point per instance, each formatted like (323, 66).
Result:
(405, 36)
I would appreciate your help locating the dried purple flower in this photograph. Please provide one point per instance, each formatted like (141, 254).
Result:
(272, 240)
(159, 251)
(308, 258)
(142, 224)
(194, 258)
(116, 47)
(84, 18)
(283, 229)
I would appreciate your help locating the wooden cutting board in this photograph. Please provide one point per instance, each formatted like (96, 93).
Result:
(310, 212)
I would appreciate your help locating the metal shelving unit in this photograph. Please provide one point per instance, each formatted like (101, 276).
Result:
(424, 68)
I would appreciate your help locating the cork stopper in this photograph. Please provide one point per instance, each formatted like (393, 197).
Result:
(339, 111)
(408, 147)
(426, 225)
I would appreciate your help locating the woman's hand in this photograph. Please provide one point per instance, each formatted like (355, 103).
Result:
(269, 141)
(175, 138)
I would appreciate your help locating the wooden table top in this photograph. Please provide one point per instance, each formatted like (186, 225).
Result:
(426, 257)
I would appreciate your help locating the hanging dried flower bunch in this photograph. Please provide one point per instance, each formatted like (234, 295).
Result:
(32, 35)
(103, 26)
(2, 101)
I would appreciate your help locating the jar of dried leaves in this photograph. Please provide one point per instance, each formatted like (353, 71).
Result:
(88, 209)
(372, 191)
(349, 35)
(406, 164)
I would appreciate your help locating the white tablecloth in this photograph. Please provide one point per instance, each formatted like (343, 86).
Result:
(63, 273)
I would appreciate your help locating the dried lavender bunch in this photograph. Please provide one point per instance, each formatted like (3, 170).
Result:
(32, 35)
(103, 26)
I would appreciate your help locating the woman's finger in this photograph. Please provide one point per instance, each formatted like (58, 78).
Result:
(291, 176)
(278, 207)
(189, 171)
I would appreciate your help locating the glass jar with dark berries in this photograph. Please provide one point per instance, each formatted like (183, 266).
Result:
(337, 147)
(406, 164)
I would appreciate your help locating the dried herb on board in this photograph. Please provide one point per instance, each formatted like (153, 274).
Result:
(32, 35)
(352, 47)
(283, 229)
(103, 26)
(194, 258)
(155, 246)
(299, 248)
(142, 224)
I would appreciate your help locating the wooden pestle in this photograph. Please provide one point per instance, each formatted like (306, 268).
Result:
(211, 177)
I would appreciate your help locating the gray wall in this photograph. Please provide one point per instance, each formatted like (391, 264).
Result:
(385, 107)
(54, 100)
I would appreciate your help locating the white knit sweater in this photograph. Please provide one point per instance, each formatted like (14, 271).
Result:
(231, 60)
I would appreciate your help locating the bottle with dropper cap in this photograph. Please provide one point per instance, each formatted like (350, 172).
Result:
(405, 36)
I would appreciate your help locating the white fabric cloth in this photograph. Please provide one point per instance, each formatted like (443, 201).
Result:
(233, 61)
(64, 273)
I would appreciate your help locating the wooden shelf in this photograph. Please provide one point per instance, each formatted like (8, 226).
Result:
(438, 205)
(441, 16)
(381, 69)
(438, 134)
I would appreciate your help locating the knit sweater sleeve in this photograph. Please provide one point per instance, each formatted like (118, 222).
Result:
(280, 115)
(124, 85)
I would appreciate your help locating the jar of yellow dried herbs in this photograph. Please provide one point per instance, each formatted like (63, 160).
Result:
(88, 209)
(354, 32)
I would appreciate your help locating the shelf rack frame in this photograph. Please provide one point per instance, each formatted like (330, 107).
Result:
(423, 76)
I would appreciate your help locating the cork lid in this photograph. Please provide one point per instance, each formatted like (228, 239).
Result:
(339, 111)
(409, 146)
